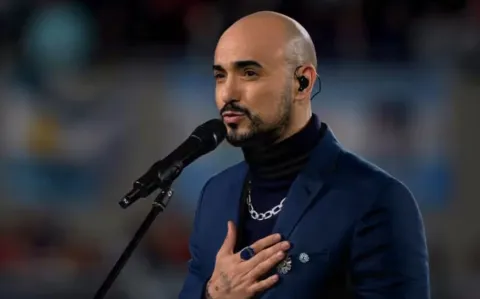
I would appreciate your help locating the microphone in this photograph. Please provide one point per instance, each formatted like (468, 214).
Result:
(204, 139)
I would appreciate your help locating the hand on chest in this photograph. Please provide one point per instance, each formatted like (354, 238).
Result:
(308, 262)
(316, 229)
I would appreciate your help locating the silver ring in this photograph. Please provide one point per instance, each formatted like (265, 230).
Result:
(247, 253)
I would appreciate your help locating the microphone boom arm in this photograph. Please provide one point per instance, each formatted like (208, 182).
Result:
(161, 176)
(164, 182)
(159, 205)
(154, 179)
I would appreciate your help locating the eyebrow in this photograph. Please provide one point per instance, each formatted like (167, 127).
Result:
(239, 65)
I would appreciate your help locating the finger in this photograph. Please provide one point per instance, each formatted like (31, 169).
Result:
(266, 242)
(267, 253)
(230, 239)
(263, 285)
(266, 265)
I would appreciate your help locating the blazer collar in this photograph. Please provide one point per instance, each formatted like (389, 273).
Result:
(310, 182)
(304, 190)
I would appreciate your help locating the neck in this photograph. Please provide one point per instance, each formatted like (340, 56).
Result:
(283, 160)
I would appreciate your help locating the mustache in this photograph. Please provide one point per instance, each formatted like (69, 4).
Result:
(234, 107)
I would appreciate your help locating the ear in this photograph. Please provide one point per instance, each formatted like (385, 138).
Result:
(309, 72)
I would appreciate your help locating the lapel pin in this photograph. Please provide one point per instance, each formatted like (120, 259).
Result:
(285, 266)
(304, 258)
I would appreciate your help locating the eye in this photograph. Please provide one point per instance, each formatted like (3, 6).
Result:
(250, 73)
(218, 76)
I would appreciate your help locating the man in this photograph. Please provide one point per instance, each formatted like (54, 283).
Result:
(314, 220)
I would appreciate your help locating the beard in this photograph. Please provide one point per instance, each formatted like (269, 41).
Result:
(259, 133)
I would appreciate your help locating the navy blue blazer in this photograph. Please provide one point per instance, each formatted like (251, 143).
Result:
(360, 228)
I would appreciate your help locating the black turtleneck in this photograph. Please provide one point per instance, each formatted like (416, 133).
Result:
(272, 171)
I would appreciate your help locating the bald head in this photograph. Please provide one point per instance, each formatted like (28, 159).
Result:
(257, 62)
(284, 33)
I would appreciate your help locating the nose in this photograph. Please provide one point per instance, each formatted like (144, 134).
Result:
(228, 91)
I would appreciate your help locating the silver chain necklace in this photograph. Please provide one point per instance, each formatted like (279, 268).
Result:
(262, 216)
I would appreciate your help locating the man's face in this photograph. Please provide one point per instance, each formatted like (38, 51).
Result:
(253, 88)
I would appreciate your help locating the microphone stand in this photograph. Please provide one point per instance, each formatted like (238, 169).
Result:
(159, 205)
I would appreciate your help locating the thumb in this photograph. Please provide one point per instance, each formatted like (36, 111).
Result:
(230, 239)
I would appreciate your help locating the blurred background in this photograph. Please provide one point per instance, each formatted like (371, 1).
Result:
(93, 92)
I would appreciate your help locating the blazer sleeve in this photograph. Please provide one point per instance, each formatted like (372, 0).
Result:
(389, 258)
(196, 280)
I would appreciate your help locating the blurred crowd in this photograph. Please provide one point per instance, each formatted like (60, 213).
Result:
(390, 30)
(92, 92)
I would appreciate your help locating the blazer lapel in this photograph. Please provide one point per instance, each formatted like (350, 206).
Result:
(234, 207)
(234, 190)
(309, 183)
(302, 193)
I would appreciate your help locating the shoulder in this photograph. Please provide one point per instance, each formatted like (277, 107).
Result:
(381, 203)
(226, 177)
(365, 177)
